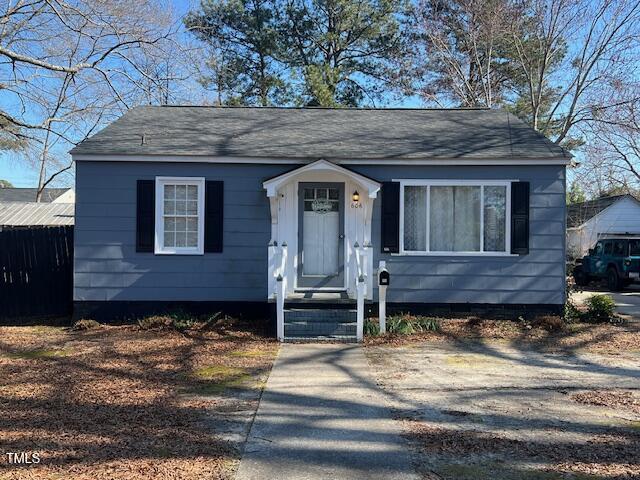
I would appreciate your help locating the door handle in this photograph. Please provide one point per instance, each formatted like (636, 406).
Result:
(341, 236)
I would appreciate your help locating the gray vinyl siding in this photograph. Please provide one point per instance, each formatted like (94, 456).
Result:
(536, 278)
(107, 267)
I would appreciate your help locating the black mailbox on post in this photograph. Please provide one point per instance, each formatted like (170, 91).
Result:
(383, 277)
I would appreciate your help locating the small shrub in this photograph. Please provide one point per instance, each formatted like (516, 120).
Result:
(600, 308)
(400, 325)
(85, 324)
(178, 320)
(475, 321)
(551, 323)
(426, 324)
(407, 324)
(182, 321)
(220, 323)
(371, 328)
(154, 322)
(571, 313)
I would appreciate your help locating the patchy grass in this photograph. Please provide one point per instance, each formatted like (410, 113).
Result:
(251, 353)
(34, 354)
(473, 361)
(218, 378)
(220, 372)
(118, 402)
(544, 332)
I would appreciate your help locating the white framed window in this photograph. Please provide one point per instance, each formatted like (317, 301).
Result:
(179, 215)
(455, 217)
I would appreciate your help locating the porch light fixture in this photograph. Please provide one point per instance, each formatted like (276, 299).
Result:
(356, 196)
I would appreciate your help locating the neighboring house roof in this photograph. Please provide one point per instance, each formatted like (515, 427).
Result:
(315, 133)
(580, 213)
(23, 214)
(29, 194)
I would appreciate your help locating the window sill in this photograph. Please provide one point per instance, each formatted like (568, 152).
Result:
(190, 251)
(455, 254)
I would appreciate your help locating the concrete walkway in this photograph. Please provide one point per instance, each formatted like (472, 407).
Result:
(323, 417)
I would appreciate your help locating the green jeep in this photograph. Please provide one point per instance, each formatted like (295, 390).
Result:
(616, 259)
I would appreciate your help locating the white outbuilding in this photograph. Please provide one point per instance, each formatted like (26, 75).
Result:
(604, 217)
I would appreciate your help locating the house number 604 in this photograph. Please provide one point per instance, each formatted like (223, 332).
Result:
(356, 205)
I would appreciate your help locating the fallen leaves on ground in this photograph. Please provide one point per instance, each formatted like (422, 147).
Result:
(603, 338)
(494, 455)
(124, 403)
(621, 400)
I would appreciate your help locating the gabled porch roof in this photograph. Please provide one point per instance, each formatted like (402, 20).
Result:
(273, 184)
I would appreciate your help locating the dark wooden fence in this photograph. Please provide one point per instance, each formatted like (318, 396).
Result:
(36, 272)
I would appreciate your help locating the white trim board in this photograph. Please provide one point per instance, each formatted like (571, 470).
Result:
(478, 183)
(298, 161)
(272, 185)
(159, 248)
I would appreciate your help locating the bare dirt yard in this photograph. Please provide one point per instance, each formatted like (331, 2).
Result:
(125, 403)
(512, 400)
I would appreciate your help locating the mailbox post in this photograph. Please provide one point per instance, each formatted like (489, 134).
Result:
(383, 283)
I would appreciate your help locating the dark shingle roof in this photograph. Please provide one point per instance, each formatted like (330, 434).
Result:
(29, 194)
(579, 213)
(311, 133)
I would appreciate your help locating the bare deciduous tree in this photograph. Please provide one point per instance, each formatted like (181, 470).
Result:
(568, 54)
(613, 154)
(458, 48)
(66, 67)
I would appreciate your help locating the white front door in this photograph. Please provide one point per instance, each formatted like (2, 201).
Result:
(321, 234)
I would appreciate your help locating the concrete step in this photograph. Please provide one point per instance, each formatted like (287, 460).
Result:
(320, 315)
(321, 338)
(319, 328)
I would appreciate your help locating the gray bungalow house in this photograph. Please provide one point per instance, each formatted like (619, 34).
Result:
(293, 211)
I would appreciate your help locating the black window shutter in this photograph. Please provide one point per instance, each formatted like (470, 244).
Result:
(145, 215)
(390, 233)
(213, 216)
(520, 218)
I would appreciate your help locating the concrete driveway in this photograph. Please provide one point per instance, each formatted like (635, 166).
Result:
(322, 416)
(627, 300)
(494, 411)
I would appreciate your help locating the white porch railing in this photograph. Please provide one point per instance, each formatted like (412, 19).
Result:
(279, 254)
(361, 288)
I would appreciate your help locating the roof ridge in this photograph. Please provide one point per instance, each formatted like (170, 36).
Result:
(608, 197)
(337, 109)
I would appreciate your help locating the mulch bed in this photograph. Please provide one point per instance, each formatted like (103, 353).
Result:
(119, 402)
(546, 332)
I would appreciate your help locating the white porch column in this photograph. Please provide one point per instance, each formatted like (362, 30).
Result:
(367, 216)
(272, 264)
